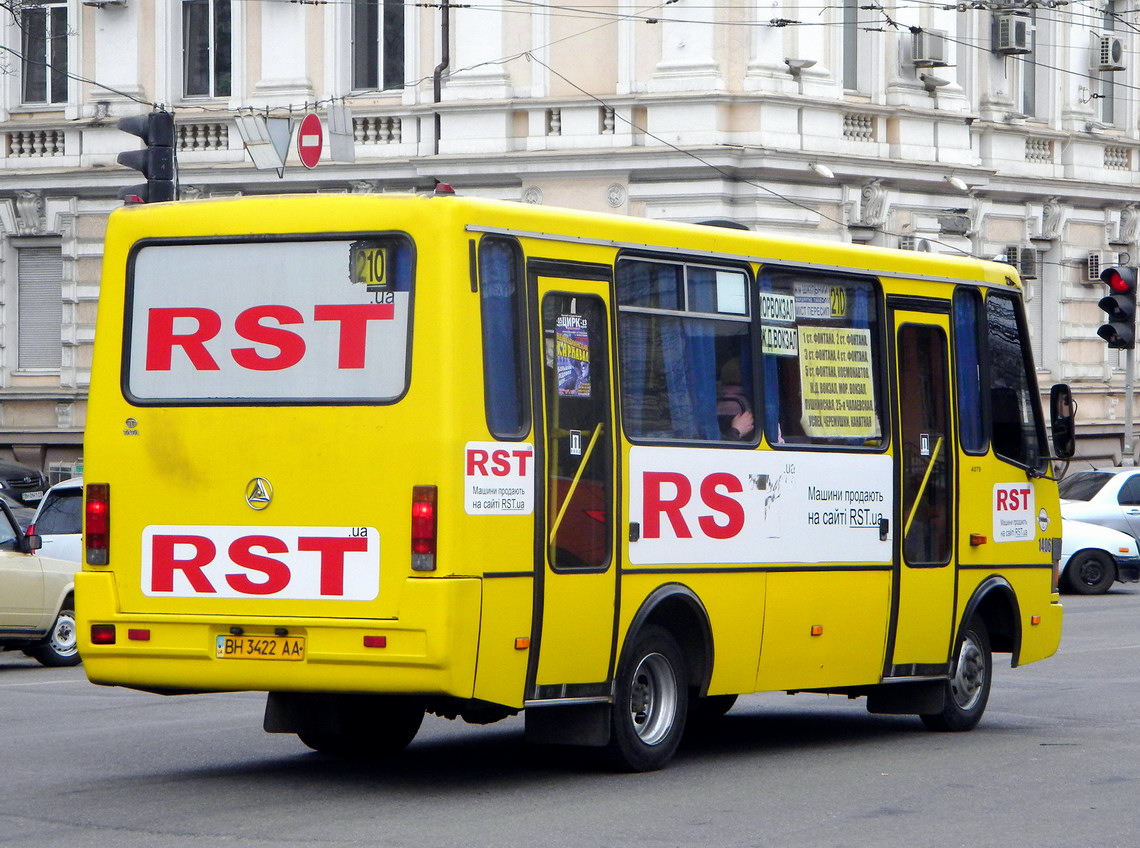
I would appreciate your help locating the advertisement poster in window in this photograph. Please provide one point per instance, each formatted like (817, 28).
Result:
(572, 356)
(837, 383)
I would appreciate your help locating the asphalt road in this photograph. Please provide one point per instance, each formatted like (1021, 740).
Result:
(1055, 762)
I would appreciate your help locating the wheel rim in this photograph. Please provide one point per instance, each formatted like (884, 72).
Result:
(653, 699)
(1091, 572)
(62, 639)
(969, 678)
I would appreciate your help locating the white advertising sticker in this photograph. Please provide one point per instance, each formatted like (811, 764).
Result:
(298, 563)
(1015, 519)
(718, 506)
(498, 478)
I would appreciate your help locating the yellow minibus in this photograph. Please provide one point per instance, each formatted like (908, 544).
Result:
(379, 456)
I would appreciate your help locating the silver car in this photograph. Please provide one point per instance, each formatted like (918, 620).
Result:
(1110, 498)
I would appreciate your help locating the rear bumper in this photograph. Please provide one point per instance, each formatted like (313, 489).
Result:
(429, 650)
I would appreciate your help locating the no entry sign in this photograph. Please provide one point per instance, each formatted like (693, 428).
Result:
(310, 140)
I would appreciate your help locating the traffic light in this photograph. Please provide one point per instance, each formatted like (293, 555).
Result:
(1120, 304)
(156, 161)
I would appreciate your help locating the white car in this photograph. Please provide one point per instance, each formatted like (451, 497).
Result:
(59, 521)
(1092, 557)
(37, 598)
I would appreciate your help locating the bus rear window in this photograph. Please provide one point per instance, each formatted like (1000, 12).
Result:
(269, 321)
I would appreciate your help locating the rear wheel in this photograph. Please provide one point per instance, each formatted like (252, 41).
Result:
(650, 703)
(968, 688)
(60, 647)
(378, 731)
(1090, 573)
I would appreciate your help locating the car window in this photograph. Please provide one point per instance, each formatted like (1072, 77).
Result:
(1130, 492)
(7, 531)
(1083, 486)
(61, 513)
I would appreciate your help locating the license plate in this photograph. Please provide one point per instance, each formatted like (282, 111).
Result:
(32, 496)
(260, 648)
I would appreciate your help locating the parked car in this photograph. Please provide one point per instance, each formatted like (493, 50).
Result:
(22, 514)
(1093, 557)
(59, 521)
(37, 600)
(1108, 497)
(22, 483)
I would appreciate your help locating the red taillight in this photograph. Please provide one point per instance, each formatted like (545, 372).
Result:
(97, 523)
(102, 634)
(423, 528)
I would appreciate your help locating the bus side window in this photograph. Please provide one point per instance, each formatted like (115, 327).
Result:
(504, 339)
(685, 343)
(1016, 429)
(822, 371)
(968, 359)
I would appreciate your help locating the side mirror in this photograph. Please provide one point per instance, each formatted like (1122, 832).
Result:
(1063, 410)
(30, 544)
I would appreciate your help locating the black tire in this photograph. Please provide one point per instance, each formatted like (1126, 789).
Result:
(1090, 572)
(650, 702)
(968, 689)
(60, 648)
(373, 733)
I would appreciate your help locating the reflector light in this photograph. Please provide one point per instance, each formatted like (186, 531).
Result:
(817, 630)
(376, 641)
(97, 523)
(977, 539)
(1035, 619)
(138, 635)
(522, 643)
(102, 634)
(423, 528)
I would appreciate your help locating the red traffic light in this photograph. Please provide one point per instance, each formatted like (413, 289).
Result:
(1121, 279)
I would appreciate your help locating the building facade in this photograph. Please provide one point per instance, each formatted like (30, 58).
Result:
(997, 129)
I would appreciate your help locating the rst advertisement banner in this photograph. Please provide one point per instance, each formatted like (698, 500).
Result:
(263, 321)
(299, 563)
(717, 506)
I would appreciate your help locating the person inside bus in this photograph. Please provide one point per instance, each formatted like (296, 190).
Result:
(733, 406)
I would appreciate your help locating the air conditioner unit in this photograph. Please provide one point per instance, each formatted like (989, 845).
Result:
(1013, 35)
(1108, 53)
(1095, 263)
(928, 48)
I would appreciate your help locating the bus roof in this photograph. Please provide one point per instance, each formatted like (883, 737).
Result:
(311, 213)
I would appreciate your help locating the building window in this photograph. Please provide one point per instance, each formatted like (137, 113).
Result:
(1107, 80)
(206, 59)
(40, 309)
(45, 52)
(377, 44)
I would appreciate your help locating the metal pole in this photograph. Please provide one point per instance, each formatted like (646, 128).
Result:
(1129, 377)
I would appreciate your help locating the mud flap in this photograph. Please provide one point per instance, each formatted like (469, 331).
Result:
(579, 724)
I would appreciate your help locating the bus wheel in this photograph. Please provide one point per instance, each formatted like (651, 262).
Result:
(968, 688)
(383, 732)
(650, 703)
(1090, 573)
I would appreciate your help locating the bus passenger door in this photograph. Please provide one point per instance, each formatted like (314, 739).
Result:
(575, 604)
(925, 576)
